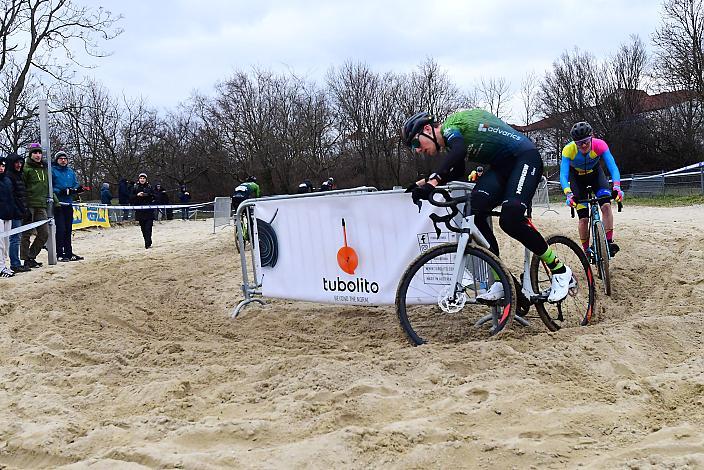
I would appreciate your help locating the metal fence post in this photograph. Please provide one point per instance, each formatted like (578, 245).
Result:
(46, 145)
(701, 176)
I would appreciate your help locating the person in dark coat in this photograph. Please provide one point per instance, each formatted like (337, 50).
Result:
(161, 197)
(8, 212)
(124, 194)
(305, 187)
(143, 195)
(13, 170)
(184, 197)
(105, 194)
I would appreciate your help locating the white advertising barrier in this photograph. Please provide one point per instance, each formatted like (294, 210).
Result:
(320, 260)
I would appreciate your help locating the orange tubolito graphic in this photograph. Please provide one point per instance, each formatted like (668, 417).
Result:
(346, 256)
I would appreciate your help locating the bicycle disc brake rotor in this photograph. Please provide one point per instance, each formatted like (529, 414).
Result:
(450, 303)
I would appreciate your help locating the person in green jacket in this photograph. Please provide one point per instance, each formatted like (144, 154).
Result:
(36, 181)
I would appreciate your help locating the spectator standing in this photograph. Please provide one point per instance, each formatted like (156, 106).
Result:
(184, 197)
(36, 181)
(328, 184)
(13, 170)
(124, 195)
(8, 212)
(305, 187)
(476, 174)
(161, 198)
(105, 194)
(143, 195)
(65, 186)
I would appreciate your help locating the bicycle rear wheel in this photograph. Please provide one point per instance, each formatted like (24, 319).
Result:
(602, 255)
(576, 309)
(431, 308)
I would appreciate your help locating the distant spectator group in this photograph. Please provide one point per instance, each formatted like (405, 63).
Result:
(24, 197)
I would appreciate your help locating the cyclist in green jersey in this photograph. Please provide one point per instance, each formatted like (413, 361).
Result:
(511, 181)
(243, 191)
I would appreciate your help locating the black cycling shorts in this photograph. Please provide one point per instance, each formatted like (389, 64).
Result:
(600, 188)
(517, 181)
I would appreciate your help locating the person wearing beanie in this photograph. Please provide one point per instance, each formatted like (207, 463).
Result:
(105, 194)
(36, 180)
(143, 195)
(65, 188)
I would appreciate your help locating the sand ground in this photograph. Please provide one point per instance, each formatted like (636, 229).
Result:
(129, 360)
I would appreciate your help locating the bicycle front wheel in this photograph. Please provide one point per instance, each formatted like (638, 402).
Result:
(434, 307)
(577, 308)
(602, 255)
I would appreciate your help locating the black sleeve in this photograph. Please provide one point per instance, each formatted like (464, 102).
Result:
(452, 166)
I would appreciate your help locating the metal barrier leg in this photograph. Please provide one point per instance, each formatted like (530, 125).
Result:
(236, 311)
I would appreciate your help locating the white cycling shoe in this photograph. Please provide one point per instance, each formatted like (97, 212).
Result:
(495, 292)
(560, 285)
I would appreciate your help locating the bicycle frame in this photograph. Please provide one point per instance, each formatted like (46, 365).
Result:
(469, 233)
(594, 222)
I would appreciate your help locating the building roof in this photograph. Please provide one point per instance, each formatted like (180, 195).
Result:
(643, 103)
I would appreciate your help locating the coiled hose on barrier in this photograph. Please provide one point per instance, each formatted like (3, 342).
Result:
(268, 243)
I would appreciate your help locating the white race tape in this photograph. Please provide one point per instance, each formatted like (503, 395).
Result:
(161, 206)
(24, 228)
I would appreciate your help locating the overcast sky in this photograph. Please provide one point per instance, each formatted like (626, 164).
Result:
(170, 48)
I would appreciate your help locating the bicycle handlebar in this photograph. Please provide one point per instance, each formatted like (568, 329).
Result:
(449, 202)
(594, 200)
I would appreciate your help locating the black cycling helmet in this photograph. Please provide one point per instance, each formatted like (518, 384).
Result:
(414, 125)
(251, 179)
(581, 130)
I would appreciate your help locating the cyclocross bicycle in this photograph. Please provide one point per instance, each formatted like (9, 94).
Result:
(600, 254)
(437, 296)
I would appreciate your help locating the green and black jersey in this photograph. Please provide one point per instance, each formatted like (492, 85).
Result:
(481, 137)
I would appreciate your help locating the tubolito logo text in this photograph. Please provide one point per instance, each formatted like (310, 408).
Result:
(497, 130)
(348, 260)
(357, 286)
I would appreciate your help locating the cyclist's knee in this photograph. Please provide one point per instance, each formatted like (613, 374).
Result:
(512, 216)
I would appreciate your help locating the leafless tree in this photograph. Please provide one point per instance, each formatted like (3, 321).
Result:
(495, 95)
(108, 137)
(530, 87)
(679, 59)
(41, 35)
(368, 118)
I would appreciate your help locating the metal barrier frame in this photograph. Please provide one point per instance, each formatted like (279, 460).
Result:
(215, 211)
(252, 287)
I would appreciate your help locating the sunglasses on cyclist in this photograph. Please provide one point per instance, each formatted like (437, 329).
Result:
(584, 141)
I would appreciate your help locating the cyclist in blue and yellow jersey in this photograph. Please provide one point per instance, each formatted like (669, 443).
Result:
(580, 168)
(516, 169)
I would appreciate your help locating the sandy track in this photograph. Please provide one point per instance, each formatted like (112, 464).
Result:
(128, 359)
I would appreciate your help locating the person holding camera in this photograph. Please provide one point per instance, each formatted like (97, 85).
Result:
(143, 195)
(65, 187)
